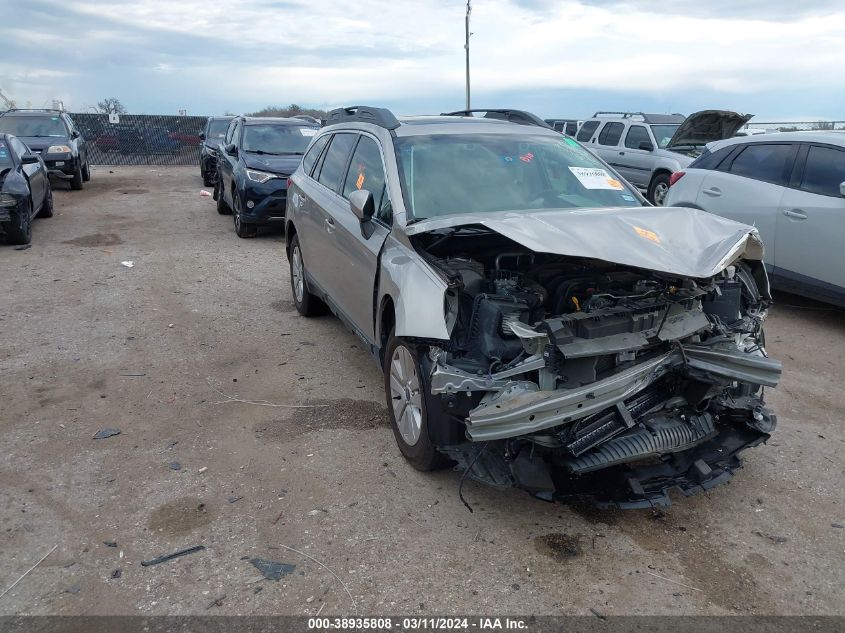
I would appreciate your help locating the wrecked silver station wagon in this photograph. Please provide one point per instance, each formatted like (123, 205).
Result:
(538, 323)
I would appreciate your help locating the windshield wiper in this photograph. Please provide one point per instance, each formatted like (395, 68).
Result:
(262, 152)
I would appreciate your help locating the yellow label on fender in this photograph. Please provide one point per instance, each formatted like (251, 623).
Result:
(649, 235)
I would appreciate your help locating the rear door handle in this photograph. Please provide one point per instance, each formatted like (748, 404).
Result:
(713, 191)
(621, 153)
(798, 214)
(329, 224)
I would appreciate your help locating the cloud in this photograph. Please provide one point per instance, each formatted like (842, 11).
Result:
(157, 55)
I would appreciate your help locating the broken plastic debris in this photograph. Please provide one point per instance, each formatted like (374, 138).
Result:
(272, 570)
(128, 263)
(202, 470)
(204, 193)
(101, 435)
(174, 466)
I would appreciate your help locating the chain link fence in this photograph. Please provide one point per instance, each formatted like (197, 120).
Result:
(141, 139)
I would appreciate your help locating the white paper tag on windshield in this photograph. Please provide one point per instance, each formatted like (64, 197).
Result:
(307, 131)
(593, 178)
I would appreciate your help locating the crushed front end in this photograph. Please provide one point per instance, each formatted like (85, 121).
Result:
(578, 378)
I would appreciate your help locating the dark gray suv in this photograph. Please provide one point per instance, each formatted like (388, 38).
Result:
(537, 322)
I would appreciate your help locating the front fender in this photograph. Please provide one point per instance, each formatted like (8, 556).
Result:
(417, 291)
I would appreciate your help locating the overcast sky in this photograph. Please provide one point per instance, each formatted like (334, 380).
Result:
(559, 58)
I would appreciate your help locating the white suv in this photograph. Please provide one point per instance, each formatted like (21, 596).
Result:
(791, 187)
(648, 148)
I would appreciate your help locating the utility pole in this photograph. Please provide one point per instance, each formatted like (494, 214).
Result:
(466, 46)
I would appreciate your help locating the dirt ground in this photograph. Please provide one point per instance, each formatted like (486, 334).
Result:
(160, 351)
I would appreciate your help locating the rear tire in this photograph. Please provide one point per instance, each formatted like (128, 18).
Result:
(76, 182)
(404, 385)
(19, 227)
(222, 207)
(307, 304)
(658, 189)
(47, 206)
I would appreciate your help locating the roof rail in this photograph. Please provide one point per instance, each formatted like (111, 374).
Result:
(646, 118)
(33, 110)
(623, 114)
(364, 114)
(504, 114)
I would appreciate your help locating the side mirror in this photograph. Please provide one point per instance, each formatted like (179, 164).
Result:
(842, 189)
(29, 159)
(202, 136)
(74, 134)
(232, 149)
(645, 145)
(362, 205)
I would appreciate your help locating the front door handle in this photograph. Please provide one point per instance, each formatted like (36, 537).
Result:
(715, 192)
(621, 153)
(329, 224)
(798, 214)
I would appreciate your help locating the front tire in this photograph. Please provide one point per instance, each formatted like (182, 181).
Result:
(76, 182)
(307, 304)
(404, 385)
(242, 229)
(47, 206)
(658, 190)
(86, 172)
(19, 227)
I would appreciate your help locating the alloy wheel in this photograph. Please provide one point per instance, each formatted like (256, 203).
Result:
(406, 395)
(296, 270)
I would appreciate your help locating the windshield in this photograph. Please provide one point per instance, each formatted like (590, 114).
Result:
(664, 133)
(33, 126)
(483, 173)
(217, 129)
(5, 158)
(277, 139)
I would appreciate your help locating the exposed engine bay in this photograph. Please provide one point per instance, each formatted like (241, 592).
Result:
(573, 377)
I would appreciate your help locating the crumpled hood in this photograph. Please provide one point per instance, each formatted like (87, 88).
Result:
(700, 128)
(40, 143)
(675, 240)
(286, 164)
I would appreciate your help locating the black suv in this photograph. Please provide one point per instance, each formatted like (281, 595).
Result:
(212, 135)
(253, 164)
(24, 190)
(53, 135)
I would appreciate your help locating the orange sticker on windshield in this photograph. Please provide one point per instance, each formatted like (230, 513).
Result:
(614, 184)
(360, 182)
(649, 235)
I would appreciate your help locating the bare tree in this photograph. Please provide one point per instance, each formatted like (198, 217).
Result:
(291, 110)
(111, 105)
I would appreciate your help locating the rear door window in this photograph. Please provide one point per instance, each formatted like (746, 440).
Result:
(611, 133)
(586, 131)
(313, 153)
(824, 171)
(765, 162)
(334, 163)
(636, 134)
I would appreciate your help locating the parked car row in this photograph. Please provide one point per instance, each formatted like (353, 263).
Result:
(36, 145)
(52, 135)
(538, 323)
